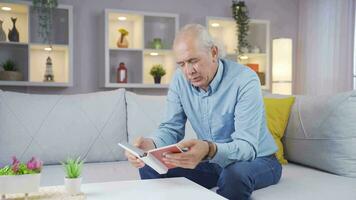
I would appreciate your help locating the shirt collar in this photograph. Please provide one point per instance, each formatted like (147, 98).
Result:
(214, 84)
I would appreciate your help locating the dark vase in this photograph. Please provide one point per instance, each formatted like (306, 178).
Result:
(14, 33)
(157, 79)
(2, 32)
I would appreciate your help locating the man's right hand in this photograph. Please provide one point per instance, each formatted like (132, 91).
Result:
(145, 144)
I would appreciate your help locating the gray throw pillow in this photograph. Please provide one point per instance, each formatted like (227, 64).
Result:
(321, 133)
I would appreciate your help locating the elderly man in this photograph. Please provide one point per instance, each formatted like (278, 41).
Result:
(223, 102)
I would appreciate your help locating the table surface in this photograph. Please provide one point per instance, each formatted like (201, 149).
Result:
(153, 189)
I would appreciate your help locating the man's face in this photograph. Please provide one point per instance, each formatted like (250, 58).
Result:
(199, 66)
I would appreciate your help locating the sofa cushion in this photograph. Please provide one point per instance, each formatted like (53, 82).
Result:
(277, 114)
(304, 183)
(322, 133)
(145, 113)
(53, 127)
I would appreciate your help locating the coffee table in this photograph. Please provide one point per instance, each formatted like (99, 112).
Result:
(153, 189)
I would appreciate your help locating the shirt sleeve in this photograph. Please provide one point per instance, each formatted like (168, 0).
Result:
(172, 129)
(249, 111)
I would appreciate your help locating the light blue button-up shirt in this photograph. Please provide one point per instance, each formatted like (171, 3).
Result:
(230, 113)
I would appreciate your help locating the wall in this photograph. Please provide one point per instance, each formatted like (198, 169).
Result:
(283, 15)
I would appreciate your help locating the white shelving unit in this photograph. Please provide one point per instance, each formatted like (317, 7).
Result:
(224, 31)
(29, 54)
(140, 55)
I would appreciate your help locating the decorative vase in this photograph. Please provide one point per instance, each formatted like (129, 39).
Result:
(2, 32)
(14, 33)
(157, 43)
(121, 76)
(73, 185)
(49, 76)
(11, 76)
(157, 79)
(19, 184)
(122, 42)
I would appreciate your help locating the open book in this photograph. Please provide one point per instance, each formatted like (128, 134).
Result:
(153, 158)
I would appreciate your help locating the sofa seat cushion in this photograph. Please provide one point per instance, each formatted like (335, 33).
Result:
(92, 173)
(304, 183)
(297, 182)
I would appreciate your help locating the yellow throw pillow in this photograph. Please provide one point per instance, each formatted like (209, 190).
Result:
(277, 114)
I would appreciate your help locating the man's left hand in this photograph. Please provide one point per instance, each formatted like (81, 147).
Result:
(198, 149)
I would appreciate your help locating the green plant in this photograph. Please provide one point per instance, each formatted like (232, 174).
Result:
(33, 166)
(123, 31)
(157, 71)
(73, 167)
(44, 10)
(240, 14)
(9, 65)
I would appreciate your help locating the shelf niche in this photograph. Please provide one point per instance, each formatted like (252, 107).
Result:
(17, 53)
(164, 58)
(60, 33)
(38, 58)
(133, 24)
(133, 63)
(21, 13)
(159, 27)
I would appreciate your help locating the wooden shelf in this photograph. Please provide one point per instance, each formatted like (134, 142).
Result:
(14, 43)
(27, 83)
(29, 53)
(259, 36)
(140, 56)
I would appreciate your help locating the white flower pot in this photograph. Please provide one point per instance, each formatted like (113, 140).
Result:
(19, 184)
(72, 185)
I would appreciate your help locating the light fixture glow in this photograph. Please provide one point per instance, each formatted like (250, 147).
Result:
(154, 54)
(122, 18)
(282, 66)
(243, 57)
(5, 8)
(215, 25)
(48, 48)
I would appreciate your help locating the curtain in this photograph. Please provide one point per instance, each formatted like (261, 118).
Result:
(324, 47)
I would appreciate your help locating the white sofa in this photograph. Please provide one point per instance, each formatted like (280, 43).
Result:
(54, 127)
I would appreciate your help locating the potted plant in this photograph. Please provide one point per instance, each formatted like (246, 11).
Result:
(10, 72)
(122, 42)
(20, 177)
(157, 71)
(242, 20)
(73, 180)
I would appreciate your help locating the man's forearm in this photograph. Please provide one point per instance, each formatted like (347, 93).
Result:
(237, 150)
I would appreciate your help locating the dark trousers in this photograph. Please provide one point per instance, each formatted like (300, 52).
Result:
(236, 181)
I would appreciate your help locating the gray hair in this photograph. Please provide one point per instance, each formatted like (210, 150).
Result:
(203, 37)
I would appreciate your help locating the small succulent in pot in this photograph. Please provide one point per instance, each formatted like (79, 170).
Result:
(157, 71)
(73, 167)
(73, 179)
(9, 65)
